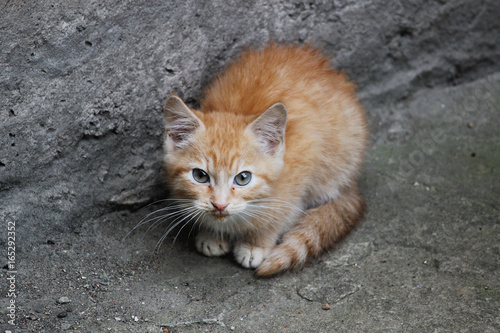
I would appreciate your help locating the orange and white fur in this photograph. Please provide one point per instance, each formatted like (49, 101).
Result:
(268, 166)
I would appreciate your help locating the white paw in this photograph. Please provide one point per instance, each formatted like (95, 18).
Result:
(210, 246)
(250, 256)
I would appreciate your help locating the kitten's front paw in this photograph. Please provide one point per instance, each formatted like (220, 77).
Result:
(210, 246)
(250, 256)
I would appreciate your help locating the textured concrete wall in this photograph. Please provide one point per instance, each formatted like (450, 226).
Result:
(82, 83)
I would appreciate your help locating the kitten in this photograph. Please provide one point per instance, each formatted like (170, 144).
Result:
(268, 166)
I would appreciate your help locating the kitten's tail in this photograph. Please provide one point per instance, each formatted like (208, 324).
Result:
(318, 231)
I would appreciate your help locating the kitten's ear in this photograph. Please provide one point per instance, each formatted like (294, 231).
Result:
(180, 123)
(269, 128)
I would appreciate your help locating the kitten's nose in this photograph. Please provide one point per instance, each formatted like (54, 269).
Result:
(220, 206)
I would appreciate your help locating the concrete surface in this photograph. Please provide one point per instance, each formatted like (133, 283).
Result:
(425, 258)
(82, 85)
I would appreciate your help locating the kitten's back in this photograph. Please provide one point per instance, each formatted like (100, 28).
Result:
(326, 128)
(260, 77)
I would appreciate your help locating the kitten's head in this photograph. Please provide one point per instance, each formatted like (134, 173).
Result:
(225, 164)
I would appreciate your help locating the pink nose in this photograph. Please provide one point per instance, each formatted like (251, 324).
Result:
(220, 207)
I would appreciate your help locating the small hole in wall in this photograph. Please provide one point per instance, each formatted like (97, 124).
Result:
(88, 43)
(2, 164)
(170, 72)
(473, 155)
(405, 32)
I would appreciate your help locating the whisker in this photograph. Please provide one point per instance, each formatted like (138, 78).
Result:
(194, 224)
(161, 219)
(171, 227)
(255, 215)
(146, 219)
(242, 216)
(277, 201)
(166, 200)
(260, 214)
(197, 216)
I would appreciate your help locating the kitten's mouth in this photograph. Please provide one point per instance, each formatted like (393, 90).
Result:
(220, 215)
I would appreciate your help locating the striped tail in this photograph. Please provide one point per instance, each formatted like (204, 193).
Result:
(317, 232)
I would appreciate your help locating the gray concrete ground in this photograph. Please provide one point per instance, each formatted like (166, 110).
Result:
(425, 258)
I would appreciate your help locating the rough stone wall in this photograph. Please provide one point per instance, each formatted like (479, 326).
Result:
(82, 83)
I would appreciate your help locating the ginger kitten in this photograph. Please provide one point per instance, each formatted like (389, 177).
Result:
(268, 166)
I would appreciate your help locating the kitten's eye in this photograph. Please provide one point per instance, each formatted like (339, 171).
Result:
(243, 178)
(200, 176)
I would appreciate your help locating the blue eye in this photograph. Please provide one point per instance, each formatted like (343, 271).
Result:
(243, 178)
(200, 176)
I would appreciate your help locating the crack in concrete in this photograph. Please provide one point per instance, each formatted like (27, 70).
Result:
(208, 321)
